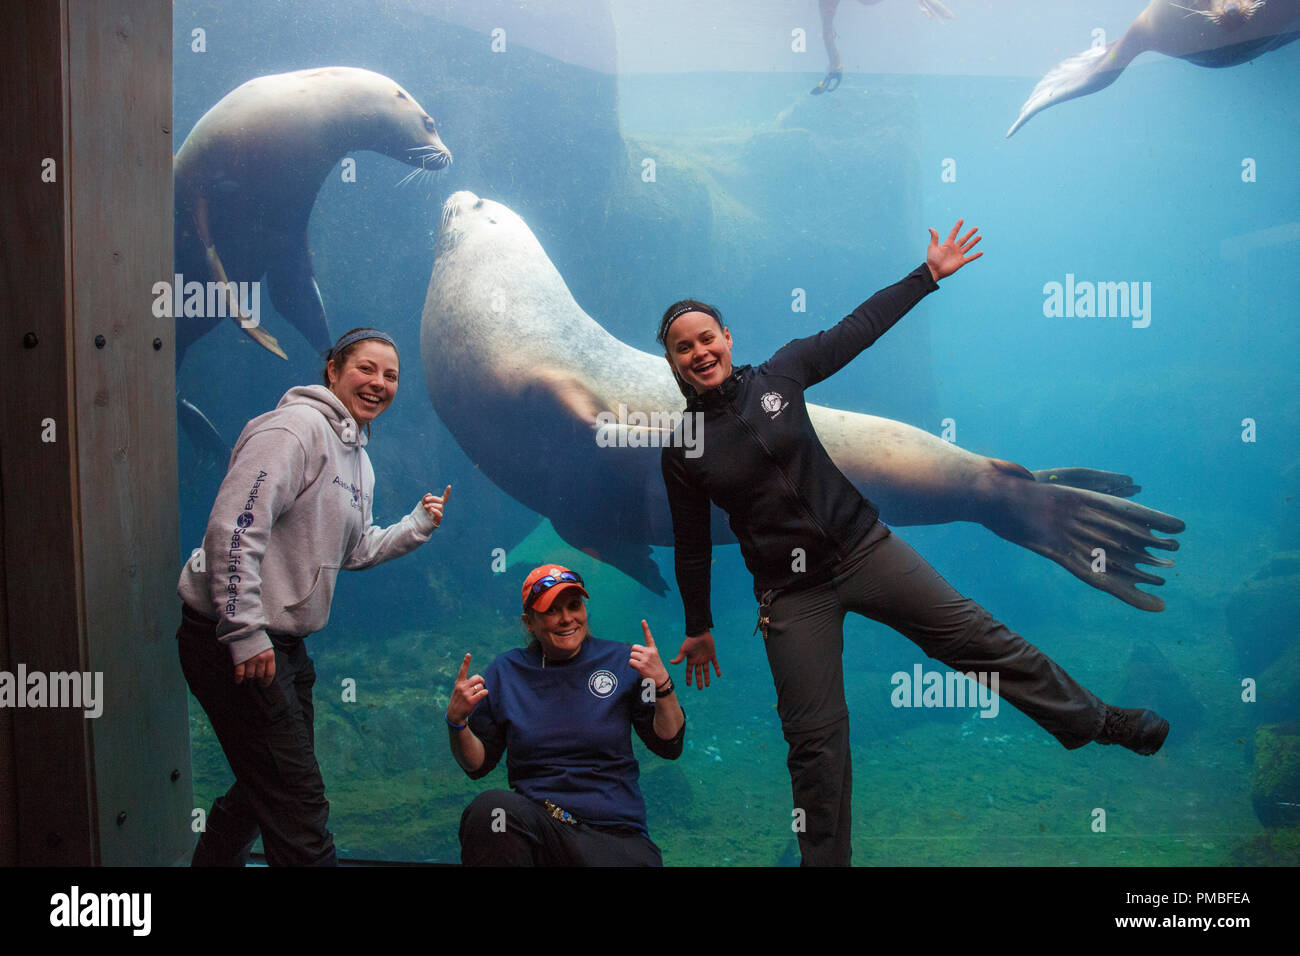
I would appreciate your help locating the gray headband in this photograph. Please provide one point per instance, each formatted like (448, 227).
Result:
(357, 336)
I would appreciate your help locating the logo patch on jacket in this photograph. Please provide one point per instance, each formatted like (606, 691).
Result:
(602, 683)
(773, 403)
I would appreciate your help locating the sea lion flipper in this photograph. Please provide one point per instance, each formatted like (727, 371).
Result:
(570, 393)
(201, 432)
(1091, 479)
(1087, 72)
(296, 296)
(1098, 538)
(624, 553)
(218, 274)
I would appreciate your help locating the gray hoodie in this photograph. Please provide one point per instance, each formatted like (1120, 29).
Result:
(293, 509)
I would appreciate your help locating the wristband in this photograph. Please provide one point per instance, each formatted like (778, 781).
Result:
(666, 690)
(455, 726)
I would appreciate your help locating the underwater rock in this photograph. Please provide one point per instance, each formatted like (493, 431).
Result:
(1263, 614)
(1277, 688)
(1275, 777)
(1154, 683)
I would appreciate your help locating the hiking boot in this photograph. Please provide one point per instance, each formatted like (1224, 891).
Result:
(1142, 731)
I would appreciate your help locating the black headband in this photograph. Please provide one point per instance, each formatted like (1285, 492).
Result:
(690, 308)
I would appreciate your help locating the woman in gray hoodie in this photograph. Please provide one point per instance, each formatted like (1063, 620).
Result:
(252, 596)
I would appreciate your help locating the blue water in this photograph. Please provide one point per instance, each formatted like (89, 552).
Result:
(762, 189)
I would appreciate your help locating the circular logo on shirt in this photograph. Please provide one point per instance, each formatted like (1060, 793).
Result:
(245, 519)
(602, 683)
(771, 402)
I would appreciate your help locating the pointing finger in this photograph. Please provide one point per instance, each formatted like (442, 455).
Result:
(464, 668)
(645, 628)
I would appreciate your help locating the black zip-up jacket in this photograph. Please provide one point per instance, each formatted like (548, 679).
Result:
(793, 512)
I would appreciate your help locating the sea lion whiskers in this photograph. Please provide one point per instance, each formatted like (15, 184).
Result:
(1240, 12)
(409, 176)
(448, 214)
(432, 151)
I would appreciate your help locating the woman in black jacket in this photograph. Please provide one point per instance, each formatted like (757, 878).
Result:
(817, 550)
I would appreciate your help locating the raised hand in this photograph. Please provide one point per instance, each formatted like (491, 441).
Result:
(434, 506)
(945, 258)
(465, 695)
(645, 659)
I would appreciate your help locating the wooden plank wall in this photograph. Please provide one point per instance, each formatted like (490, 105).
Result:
(47, 749)
(120, 116)
(90, 541)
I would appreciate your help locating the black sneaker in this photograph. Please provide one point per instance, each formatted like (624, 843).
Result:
(1142, 731)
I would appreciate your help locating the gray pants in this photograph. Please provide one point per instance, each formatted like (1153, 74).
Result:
(885, 580)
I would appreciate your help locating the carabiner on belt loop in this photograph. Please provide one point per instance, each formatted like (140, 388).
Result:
(764, 609)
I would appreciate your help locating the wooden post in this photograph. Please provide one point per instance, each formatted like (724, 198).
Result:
(88, 500)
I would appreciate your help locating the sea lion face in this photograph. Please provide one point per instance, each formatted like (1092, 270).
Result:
(416, 127)
(465, 215)
(699, 350)
(1233, 13)
(367, 382)
(488, 239)
(1228, 14)
(390, 121)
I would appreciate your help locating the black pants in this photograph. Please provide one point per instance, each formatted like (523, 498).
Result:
(267, 735)
(504, 828)
(885, 580)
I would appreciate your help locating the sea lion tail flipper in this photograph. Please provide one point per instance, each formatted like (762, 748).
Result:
(1094, 69)
(1090, 479)
(296, 296)
(201, 432)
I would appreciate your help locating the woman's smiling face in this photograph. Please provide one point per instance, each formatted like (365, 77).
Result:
(699, 350)
(561, 628)
(367, 382)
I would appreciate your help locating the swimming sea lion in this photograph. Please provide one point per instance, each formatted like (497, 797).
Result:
(545, 402)
(248, 174)
(1212, 33)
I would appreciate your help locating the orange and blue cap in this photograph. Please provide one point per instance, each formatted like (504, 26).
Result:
(545, 583)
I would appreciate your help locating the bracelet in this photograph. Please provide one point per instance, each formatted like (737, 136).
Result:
(455, 726)
(666, 690)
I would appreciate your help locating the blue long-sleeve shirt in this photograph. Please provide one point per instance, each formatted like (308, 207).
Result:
(565, 727)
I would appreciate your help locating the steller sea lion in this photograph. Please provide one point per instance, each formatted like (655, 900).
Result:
(248, 173)
(1213, 33)
(538, 395)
